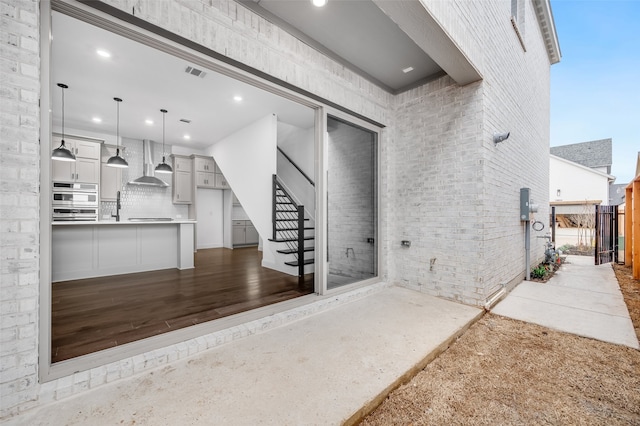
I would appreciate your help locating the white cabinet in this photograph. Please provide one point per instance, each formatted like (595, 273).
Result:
(221, 181)
(204, 164)
(86, 168)
(207, 173)
(110, 177)
(205, 180)
(182, 180)
(244, 233)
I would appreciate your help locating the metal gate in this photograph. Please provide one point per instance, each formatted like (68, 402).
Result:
(606, 249)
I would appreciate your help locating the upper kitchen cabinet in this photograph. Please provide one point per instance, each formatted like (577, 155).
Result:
(182, 179)
(86, 168)
(208, 174)
(110, 177)
(205, 169)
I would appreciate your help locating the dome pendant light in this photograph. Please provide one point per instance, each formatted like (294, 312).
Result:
(116, 160)
(62, 153)
(163, 167)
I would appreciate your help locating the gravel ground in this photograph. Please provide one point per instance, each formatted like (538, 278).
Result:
(503, 371)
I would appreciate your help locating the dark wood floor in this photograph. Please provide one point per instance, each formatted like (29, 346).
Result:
(98, 313)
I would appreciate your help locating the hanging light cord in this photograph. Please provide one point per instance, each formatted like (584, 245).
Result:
(164, 112)
(62, 115)
(117, 127)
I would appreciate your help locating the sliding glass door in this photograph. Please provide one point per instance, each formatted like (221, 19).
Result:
(352, 181)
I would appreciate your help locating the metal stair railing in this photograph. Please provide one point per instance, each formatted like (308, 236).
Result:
(286, 211)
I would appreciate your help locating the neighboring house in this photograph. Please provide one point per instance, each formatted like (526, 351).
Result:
(616, 194)
(435, 174)
(579, 179)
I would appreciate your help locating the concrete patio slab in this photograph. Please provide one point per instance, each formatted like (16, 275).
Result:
(580, 298)
(320, 370)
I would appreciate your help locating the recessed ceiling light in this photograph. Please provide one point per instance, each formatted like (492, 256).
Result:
(237, 98)
(96, 120)
(407, 69)
(148, 122)
(319, 3)
(103, 53)
(187, 137)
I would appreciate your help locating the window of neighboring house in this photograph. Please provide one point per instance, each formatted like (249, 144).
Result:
(517, 20)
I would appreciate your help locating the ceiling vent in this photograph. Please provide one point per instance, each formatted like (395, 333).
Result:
(184, 120)
(195, 71)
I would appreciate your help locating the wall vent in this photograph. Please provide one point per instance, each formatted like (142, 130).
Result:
(195, 71)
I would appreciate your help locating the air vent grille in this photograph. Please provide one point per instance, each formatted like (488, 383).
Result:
(194, 71)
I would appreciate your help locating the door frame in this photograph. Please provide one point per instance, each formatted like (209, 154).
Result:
(94, 14)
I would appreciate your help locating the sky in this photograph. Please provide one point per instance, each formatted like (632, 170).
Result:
(595, 88)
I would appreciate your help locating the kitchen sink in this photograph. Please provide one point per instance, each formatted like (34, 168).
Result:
(150, 219)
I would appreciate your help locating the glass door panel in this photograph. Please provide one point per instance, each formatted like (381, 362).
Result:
(351, 203)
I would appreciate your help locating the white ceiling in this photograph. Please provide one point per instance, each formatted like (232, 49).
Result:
(356, 33)
(148, 80)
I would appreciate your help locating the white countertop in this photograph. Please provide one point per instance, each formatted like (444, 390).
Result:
(123, 222)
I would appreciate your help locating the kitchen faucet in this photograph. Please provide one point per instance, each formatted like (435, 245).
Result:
(118, 207)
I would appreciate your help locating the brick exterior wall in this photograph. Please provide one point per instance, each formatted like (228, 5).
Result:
(444, 184)
(19, 202)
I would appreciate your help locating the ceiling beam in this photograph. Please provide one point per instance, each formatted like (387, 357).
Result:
(416, 21)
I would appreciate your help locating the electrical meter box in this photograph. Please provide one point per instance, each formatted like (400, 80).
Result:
(525, 201)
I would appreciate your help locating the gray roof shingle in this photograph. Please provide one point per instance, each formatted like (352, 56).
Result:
(590, 154)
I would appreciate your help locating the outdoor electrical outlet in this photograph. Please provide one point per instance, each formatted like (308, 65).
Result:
(406, 243)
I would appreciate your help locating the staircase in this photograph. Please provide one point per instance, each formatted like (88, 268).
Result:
(291, 229)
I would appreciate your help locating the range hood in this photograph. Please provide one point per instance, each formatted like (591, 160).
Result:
(147, 178)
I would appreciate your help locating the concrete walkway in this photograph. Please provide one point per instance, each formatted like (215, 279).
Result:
(321, 370)
(580, 298)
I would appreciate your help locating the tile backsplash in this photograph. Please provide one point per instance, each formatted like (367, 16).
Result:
(143, 201)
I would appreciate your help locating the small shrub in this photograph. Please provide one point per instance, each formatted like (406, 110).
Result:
(539, 271)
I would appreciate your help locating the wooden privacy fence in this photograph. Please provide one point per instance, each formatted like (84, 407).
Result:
(632, 226)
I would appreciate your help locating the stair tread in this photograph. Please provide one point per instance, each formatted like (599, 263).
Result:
(293, 251)
(306, 228)
(295, 262)
(288, 240)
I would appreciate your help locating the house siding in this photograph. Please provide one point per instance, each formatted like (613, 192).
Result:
(444, 185)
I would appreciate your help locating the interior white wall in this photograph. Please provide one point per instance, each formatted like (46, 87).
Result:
(247, 159)
(298, 144)
(210, 214)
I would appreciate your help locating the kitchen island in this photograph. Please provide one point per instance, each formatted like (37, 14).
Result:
(95, 249)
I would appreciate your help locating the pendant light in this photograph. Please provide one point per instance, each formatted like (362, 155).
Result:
(62, 153)
(163, 167)
(116, 160)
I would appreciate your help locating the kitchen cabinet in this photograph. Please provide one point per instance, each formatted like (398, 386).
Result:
(244, 233)
(221, 182)
(110, 177)
(182, 179)
(205, 169)
(86, 168)
(207, 173)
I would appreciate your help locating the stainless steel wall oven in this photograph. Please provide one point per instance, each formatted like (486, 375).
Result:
(72, 201)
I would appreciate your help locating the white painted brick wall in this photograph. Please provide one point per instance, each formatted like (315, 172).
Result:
(19, 183)
(445, 186)
(454, 193)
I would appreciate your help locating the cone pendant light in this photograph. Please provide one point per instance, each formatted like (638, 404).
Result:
(163, 167)
(117, 160)
(62, 153)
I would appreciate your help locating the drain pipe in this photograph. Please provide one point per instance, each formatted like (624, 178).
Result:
(495, 297)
